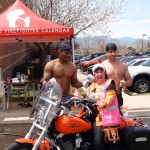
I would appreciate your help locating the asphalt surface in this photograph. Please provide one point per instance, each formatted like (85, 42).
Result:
(16, 122)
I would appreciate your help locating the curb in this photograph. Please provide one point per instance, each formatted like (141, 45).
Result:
(139, 112)
(18, 120)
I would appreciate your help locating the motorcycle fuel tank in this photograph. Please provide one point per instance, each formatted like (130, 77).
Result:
(69, 125)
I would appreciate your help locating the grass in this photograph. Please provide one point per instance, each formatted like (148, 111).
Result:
(30, 98)
(22, 96)
(81, 90)
(15, 97)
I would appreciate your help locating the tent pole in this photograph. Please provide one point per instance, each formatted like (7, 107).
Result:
(72, 40)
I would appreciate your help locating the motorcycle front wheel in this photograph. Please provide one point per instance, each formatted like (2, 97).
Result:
(19, 146)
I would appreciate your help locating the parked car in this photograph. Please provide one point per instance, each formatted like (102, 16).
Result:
(133, 54)
(146, 53)
(96, 60)
(77, 58)
(86, 58)
(89, 69)
(140, 77)
(136, 62)
(96, 55)
(90, 57)
(129, 58)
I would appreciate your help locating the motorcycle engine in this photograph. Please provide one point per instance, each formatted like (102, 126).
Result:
(83, 141)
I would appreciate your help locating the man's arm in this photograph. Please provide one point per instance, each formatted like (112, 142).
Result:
(47, 73)
(74, 80)
(127, 77)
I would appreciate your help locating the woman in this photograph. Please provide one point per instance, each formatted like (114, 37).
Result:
(104, 91)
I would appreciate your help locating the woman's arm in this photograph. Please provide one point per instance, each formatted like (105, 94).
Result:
(110, 94)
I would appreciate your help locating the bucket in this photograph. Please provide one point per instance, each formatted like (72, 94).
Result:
(30, 71)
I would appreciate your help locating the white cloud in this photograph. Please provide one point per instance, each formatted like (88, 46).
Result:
(136, 20)
(146, 20)
(131, 28)
(138, 9)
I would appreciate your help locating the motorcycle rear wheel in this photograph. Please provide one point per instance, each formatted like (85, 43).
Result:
(19, 146)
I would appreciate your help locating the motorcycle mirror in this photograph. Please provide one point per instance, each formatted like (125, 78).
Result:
(92, 100)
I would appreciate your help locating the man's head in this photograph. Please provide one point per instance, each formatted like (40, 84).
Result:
(65, 52)
(111, 47)
(65, 47)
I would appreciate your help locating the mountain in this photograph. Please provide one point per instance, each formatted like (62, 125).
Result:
(128, 40)
(124, 40)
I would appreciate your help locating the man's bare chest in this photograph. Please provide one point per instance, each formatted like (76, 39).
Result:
(63, 72)
(114, 71)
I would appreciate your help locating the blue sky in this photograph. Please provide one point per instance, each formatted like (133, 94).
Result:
(135, 22)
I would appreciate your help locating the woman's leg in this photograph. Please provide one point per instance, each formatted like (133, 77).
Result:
(99, 143)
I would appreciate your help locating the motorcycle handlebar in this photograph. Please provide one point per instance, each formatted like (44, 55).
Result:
(78, 100)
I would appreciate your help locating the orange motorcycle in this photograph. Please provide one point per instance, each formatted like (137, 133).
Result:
(68, 126)
(55, 125)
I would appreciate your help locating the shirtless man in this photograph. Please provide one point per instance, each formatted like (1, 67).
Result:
(116, 70)
(63, 70)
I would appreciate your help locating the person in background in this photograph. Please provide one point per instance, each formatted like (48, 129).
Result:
(117, 71)
(28, 58)
(63, 70)
(104, 91)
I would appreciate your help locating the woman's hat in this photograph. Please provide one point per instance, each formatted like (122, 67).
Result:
(98, 66)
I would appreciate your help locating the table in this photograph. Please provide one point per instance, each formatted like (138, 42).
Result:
(32, 83)
(10, 86)
(20, 85)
